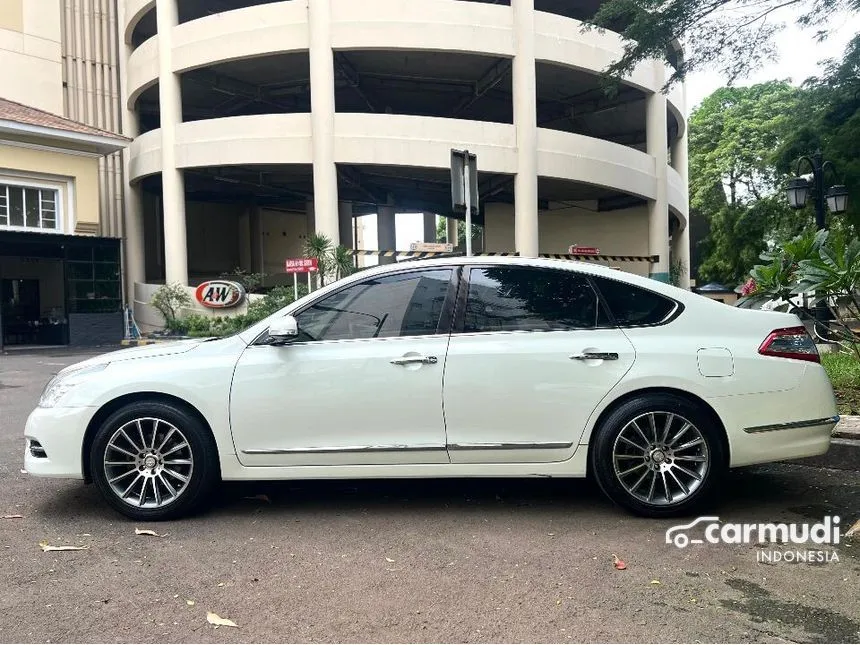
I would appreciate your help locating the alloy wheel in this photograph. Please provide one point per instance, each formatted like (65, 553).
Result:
(148, 463)
(660, 458)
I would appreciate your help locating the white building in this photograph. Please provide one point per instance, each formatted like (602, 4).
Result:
(255, 122)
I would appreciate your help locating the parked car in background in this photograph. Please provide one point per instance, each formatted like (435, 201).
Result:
(458, 367)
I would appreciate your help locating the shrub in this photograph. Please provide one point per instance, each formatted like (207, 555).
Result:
(169, 300)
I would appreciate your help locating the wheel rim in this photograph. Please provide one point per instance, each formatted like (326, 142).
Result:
(660, 458)
(148, 463)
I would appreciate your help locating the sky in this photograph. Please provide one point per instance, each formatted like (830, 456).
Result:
(799, 56)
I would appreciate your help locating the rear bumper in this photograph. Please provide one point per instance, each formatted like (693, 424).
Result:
(777, 426)
(60, 433)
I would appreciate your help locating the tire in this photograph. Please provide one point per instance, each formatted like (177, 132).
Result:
(175, 470)
(625, 471)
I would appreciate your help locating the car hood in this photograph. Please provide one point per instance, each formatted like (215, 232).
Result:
(145, 351)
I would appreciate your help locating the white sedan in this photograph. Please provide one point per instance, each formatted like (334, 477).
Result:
(461, 367)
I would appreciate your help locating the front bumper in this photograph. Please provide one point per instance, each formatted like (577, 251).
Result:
(59, 432)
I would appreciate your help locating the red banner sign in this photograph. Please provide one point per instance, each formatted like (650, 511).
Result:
(301, 265)
(583, 250)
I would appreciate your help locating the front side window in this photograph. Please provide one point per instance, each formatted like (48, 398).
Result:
(28, 208)
(529, 299)
(404, 304)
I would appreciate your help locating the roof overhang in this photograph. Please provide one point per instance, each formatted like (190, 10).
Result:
(78, 141)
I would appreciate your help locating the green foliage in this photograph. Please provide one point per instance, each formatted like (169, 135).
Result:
(343, 262)
(844, 371)
(442, 232)
(169, 300)
(198, 325)
(320, 246)
(250, 281)
(733, 37)
(734, 180)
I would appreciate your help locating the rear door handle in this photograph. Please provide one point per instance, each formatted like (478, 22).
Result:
(595, 356)
(407, 360)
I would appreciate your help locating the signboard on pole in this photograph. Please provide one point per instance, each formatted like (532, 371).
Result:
(301, 265)
(583, 250)
(431, 247)
(464, 188)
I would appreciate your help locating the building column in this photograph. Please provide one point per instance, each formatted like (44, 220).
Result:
(429, 227)
(681, 241)
(451, 231)
(322, 120)
(345, 224)
(172, 180)
(133, 240)
(658, 209)
(386, 233)
(525, 123)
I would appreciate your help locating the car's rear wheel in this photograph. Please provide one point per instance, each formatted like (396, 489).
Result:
(658, 455)
(154, 460)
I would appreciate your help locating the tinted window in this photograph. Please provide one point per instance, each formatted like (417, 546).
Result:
(633, 306)
(406, 304)
(527, 299)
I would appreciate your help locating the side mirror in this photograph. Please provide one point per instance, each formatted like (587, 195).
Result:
(284, 329)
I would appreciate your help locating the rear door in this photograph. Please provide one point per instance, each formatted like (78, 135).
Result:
(532, 355)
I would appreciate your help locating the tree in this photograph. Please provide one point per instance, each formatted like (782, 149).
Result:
(734, 182)
(319, 247)
(733, 36)
(442, 232)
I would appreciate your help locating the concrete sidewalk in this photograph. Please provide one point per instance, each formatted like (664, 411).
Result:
(844, 453)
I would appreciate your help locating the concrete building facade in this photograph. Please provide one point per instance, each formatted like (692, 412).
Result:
(256, 122)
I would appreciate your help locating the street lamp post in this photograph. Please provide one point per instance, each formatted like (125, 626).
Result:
(836, 198)
(799, 188)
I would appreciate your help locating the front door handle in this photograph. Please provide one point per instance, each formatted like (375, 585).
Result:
(407, 360)
(595, 356)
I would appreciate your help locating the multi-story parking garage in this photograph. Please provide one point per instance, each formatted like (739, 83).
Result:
(255, 122)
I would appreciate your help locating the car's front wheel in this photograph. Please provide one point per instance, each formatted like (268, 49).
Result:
(658, 455)
(153, 460)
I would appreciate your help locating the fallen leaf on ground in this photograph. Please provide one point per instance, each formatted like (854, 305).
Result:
(854, 530)
(262, 498)
(215, 619)
(220, 584)
(618, 563)
(23, 472)
(12, 517)
(47, 547)
(656, 582)
(190, 603)
(389, 560)
(148, 532)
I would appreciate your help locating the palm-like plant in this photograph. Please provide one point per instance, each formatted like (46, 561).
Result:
(319, 246)
(342, 262)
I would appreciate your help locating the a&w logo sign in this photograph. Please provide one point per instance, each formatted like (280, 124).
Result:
(219, 294)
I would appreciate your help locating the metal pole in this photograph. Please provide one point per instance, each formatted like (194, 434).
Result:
(818, 178)
(468, 195)
(309, 282)
(295, 286)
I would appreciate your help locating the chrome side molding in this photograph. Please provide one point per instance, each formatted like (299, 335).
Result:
(514, 445)
(811, 423)
(349, 449)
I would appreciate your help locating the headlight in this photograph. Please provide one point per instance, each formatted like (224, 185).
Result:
(62, 383)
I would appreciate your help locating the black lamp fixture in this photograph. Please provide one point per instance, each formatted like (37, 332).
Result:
(799, 189)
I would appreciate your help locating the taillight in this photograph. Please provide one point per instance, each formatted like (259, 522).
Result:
(791, 342)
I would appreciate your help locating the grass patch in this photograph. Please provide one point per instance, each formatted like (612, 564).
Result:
(844, 372)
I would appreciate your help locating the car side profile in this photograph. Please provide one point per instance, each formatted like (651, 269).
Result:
(456, 367)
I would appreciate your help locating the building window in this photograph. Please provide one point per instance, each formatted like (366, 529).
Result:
(93, 278)
(29, 207)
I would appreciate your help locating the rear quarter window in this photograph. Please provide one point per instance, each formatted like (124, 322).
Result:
(632, 306)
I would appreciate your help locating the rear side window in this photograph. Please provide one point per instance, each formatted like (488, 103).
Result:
(528, 299)
(633, 306)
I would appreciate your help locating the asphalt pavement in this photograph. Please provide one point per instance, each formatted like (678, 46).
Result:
(407, 561)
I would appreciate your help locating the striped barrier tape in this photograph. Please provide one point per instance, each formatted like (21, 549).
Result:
(420, 255)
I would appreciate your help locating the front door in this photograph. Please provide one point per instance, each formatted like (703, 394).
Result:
(531, 356)
(361, 384)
